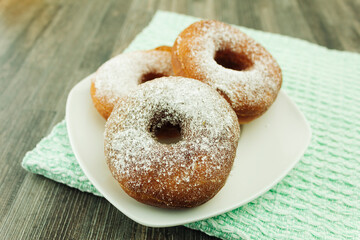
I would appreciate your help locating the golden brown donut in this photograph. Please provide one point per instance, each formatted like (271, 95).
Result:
(186, 171)
(239, 68)
(116, 77)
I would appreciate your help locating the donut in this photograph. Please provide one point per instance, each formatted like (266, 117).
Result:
(239, 68)
(172, 142)
(116, 77)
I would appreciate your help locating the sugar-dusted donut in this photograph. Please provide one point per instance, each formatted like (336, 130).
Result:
(239, 68)
(116, 77)
(201, 132)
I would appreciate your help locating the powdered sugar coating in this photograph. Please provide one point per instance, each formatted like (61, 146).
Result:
(250, 91)
(183, 174)
(116, 77)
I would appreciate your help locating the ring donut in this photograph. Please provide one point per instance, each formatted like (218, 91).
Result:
(116, 77)
(240, 69)
(189, 169)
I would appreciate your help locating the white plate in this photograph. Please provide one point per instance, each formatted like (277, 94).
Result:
(269, 148)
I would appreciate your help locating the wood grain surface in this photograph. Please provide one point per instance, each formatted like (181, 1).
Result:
(46, 47)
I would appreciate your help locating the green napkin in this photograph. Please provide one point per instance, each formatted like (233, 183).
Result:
(320, 198)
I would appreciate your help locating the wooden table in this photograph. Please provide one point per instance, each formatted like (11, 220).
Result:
(46, 47)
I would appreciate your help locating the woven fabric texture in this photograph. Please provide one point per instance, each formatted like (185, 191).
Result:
(320, 197)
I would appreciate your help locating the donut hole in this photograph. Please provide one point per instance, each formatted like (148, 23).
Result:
(232, 60)
(165, 129)
(168, 133)
(150, 76)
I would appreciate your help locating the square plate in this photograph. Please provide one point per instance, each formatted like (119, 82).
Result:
(268, 149)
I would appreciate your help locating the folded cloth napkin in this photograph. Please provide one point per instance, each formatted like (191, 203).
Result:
(320, 197)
